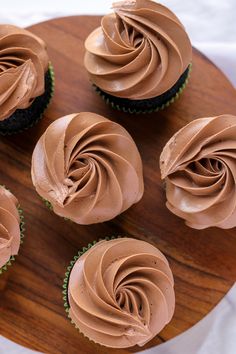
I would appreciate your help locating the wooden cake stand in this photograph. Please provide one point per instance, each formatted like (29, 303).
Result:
(203, 262)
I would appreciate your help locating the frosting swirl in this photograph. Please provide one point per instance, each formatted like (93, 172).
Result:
(139, 52)
(23, 64)
(199, 166)
(88, 168)
(9, 226)
(120, 292)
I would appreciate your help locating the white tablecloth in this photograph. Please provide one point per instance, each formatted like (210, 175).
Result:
(211, 25)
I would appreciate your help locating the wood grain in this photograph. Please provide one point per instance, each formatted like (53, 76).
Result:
(203, 262)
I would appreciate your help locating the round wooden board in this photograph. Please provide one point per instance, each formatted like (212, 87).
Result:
(203, 262)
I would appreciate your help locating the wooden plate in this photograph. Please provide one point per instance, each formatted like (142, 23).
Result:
(203, 262)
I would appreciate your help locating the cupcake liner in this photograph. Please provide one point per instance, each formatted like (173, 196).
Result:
(47, 203)
(50, 207)
(69, 269)
(22, 230)
(151, 105)
(23, 119)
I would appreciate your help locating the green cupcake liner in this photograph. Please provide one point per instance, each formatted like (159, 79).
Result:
(50, 207)
(52, 75)
(118, 107)
(35, 121)
(22, 230)
(68, 271)
(47, 203)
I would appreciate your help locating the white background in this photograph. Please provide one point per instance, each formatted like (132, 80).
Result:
(211, 25)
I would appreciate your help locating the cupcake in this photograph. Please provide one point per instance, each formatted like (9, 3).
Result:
(11, 228)
(139, 59)
(199, 167)
(87, 168)
(26, 79)
(119, 292)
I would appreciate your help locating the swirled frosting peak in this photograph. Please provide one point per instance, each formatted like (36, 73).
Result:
(199, 166)
(88, 168)
(9, 226)
(120, 292)
(139, 52)
(23, 63)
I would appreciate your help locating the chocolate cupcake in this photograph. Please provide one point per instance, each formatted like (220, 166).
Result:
(87, 168)
(119, 293)
(199, 167)
(26, 79)
(11, 228)
(139, 59)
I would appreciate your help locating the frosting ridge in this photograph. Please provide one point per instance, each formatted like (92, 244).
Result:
(88, 168)
(23, 64)
(139, 52)
(120, 292)
(9, 226)
(199, 166)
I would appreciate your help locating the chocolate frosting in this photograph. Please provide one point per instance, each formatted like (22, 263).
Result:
(9, 226)
(23, 64)
(120, 292)
(199, 166)
(139, 52)
(88, 168)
